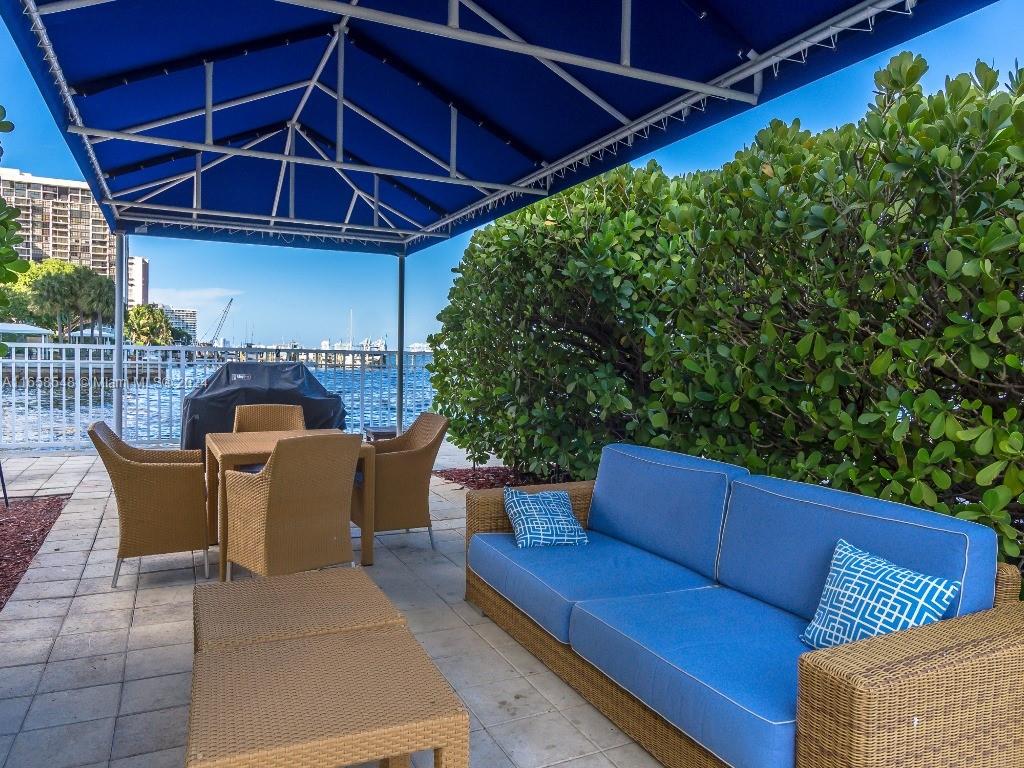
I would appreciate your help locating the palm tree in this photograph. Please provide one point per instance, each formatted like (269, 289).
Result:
(100, 303)
(81, 281)
(52, 297)
(147, 325)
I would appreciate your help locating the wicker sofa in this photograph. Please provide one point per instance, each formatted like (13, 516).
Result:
(680, 620)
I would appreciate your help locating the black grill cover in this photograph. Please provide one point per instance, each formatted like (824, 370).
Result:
(210, 407)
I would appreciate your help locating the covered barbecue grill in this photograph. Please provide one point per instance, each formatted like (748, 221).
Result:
(211, 406)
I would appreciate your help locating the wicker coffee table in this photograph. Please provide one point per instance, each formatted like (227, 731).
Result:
(237, 613)
(328, 700)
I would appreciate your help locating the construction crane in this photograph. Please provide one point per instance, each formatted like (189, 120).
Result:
(212, 336)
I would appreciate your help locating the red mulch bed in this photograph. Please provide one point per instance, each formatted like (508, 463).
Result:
(479, 478)
(23, 528)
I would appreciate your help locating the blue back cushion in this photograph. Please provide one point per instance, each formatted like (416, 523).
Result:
(668, 503)
(779, 536)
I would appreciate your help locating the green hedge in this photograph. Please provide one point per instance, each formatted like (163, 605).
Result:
(842, 308)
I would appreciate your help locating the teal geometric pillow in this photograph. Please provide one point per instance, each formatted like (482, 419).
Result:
(866, 595)
(543, 519)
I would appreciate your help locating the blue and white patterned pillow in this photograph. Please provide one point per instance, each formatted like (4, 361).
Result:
(543, 519)
(866, 595)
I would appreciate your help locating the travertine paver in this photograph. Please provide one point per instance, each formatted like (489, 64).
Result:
(91, 676)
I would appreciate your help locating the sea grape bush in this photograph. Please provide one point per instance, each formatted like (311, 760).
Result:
(843, 308)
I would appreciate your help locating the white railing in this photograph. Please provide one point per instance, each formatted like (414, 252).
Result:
(52, 392)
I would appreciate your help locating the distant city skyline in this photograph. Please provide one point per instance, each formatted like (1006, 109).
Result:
(283, 295)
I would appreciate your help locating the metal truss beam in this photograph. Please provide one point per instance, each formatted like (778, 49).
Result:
(169, 182)
(391, 131)
(270, 220)
(234, 226)
(355, 187)
(388, 57)
(507, 31)
(74, 116)
(405, 189)
(196, 146)
(68, 5)
(860, 18)
(216, 107)
(311, 32)
(526, 49)
(170, 157)
(195, 60)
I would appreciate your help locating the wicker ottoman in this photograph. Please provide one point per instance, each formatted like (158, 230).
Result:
(237, 613)
(328, 700)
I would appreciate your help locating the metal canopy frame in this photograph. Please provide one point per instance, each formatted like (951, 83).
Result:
(138, 208)
(395, 230)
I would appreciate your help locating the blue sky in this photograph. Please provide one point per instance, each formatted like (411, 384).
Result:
(283, 295)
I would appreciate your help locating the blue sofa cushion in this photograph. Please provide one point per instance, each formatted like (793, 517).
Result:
(543, 519)
(717, 664)
(779, 536)
(668, 503)
(545, 582)
(866, 596)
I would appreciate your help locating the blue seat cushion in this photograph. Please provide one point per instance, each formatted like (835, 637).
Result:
(779, 537)
(668, 503)
(545, 582)
(717, 664)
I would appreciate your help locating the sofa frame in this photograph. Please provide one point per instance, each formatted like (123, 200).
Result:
(946, 695)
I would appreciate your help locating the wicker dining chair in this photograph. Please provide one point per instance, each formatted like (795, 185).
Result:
(268, 418)
(402, 471)
(294, 514)
(161, 498)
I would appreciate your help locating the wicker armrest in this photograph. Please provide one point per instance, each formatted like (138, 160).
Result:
(940, 696)
(485, 510)
(163, 456)
(245, 490)
(392, 445)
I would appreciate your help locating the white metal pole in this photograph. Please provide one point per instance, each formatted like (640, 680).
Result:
(121, 248)
(400, 390)
(339, 114)
(626, 32)
(453, 139)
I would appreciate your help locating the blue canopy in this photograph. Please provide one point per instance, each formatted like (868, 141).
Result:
(246, 120)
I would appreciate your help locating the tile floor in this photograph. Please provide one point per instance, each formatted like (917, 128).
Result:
(91, 676)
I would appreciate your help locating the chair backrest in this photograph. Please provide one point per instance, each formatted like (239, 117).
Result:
(112, 449)
(427, 431)
(310, 501)
(268, 418)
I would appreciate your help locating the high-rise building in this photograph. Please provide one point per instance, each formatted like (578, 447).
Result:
(183, 319)
(138, 281)
(59, 220)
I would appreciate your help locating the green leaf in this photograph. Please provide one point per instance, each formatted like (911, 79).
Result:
(979, 357)
(954, 260)
(988, 475)
(996, 499)
(983, 445)
(882, 363)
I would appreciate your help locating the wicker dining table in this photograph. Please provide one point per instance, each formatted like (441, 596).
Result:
(230, 450)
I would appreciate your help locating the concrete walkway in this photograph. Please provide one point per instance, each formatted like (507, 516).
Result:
(91, 676)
